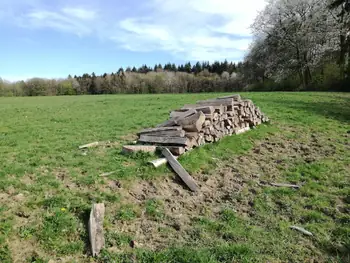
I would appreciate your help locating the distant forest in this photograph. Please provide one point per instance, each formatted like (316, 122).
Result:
(297, 45)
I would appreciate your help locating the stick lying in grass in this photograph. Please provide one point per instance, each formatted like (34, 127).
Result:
(107, 174)
(186, 178)
(302, 230)
(89, 145)
(96, 234)
(263, 183)
(285, 185)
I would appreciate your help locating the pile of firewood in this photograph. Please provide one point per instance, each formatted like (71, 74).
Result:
(204, 122)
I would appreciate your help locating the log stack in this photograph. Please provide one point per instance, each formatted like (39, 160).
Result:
(204, 122)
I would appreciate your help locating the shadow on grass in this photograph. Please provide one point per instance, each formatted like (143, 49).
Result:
(333, 106)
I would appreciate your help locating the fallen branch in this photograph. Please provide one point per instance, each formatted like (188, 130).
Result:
(107, 174)
(89, 145)
(302, 230)
(285, 185)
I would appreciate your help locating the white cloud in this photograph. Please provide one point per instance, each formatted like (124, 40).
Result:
(79, 13)
(187, 29)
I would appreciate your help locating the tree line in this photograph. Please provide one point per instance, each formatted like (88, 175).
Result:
(167, 78)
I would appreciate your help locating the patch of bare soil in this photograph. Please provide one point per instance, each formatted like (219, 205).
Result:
(221, 188)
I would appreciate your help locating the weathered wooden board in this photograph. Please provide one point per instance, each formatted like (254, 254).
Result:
(160, 129)
(186, 178)
(163, 140)
(96, 233)
(139, 148)
(180, 133)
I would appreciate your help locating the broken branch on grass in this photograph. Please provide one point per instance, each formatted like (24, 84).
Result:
(89, 145)
(107, 174)
(285, 185)
(302, 230)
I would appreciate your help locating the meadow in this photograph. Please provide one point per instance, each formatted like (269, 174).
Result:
(47, 185)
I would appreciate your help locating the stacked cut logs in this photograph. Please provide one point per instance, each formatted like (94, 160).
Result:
(204, 122)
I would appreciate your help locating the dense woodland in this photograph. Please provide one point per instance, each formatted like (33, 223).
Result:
(298, 45)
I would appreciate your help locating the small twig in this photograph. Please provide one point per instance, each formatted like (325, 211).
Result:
(302, 230)
(285, 185)
(107, 174)
(263, 183)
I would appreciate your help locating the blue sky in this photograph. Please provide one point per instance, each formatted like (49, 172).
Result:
(54, 38)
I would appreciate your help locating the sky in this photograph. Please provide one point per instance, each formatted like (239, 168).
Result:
(54, 38)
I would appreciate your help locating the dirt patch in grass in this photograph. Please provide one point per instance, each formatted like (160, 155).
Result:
(233, 185)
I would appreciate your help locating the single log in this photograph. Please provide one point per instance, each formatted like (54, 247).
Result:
(186, 178)
(95, 225)
(139, 148)
(192, 123)
(163, 140)
(160, 129)
(207, 123)
(89, 145)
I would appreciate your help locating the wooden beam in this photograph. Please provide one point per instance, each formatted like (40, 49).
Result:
(96, 235)
(163, 140)
(186, 178)
(204, 109)
(236, 97)
(160, 129)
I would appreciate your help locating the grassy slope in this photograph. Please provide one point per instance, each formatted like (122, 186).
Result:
(47, 185)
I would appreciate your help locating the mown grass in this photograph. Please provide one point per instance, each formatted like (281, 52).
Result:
(39, 139)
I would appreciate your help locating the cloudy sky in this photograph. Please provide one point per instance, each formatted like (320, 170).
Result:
(59, 37)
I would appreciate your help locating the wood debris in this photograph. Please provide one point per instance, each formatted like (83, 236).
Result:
(89, 145)
(96, 233)
(302, 230)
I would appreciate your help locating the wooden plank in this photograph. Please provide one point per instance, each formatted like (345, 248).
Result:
(89, 145)
(163, 140)
(95, 228)
(160, 129)
(139, 148)
(180, 133)
(186, 178)
(302, 230)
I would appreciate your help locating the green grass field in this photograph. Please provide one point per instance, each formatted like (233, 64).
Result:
(47, 185)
